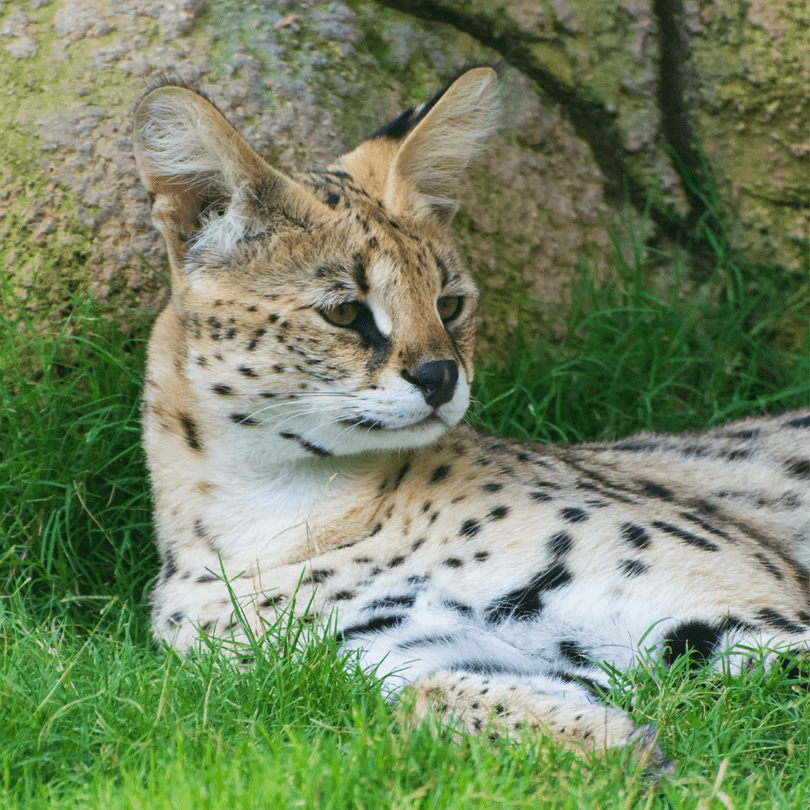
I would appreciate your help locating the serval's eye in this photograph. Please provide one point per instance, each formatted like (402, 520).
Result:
(449, 307)
(343, 314)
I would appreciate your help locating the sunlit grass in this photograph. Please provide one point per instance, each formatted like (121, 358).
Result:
(93, 715)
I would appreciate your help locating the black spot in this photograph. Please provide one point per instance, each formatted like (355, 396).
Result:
(175, 619)
(574, 515)
(798, 468)
(418, 544)
(377, 528)
(636, 536)
(498, 513)
(596, 689)
(314, 448)
(687, 537)
(469, 528)
(247, 372)
(396, 562)
(540, 497)
(316, 577)
(439, 474)
(769, 566)
(524, 603)
(243, 420)
(637, 446)
(360, 277)
(269, 601)
(573, 652)
(777, 620)
(696, 638)
(705, 525)
(560, 544)
(169, 567)
(656, 490)
(192, 432)
(743, 434)
(452, 562)
(458, 607)
(427, 641)
(481, 556)
(484, 667)
(804, 617)
(403, 471)
(222, 390)
(406, 600)
(492, 487)
(207, 578)
(736, 455)
(332, 199)
(376, 625)
(632, 568)
(801, 422)
(373, 339)
(254, 341)
(343, 596)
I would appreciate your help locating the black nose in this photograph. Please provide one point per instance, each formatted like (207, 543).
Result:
(436, 380)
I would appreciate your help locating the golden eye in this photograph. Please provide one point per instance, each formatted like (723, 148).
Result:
(449, 307)
(343, 314)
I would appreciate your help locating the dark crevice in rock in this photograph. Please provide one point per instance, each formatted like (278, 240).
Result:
(674, 80)
(592, 122)
(595, 124)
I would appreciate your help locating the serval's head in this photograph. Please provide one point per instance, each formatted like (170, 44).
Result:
(327, 313)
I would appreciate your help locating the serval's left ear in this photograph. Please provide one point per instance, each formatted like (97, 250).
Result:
(424, 176)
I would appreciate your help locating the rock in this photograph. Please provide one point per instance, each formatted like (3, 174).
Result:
(587, 124)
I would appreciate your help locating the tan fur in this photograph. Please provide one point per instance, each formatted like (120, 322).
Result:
(292, 455)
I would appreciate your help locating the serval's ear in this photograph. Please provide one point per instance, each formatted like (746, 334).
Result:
(424, 176)
(204, 182)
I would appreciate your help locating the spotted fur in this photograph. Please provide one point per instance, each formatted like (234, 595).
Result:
(301, 419)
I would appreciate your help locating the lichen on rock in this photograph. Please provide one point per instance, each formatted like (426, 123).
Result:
(583, 128)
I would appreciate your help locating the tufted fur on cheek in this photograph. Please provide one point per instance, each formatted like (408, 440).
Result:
(207, 188)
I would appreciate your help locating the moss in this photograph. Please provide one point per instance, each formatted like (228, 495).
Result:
(45, 265)
(553, 60)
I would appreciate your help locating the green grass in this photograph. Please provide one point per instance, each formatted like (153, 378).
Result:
(93, 715)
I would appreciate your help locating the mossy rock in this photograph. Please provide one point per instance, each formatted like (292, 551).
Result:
(582, 134)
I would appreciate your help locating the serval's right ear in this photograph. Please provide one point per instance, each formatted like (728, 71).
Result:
(204, 182)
